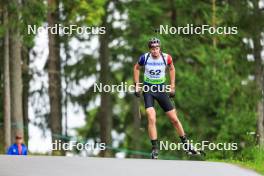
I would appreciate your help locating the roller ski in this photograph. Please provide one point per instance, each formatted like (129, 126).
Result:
(154, 153)
(189, 149)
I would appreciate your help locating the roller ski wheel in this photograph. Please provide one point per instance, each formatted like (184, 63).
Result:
(154, 154)
(191, 151)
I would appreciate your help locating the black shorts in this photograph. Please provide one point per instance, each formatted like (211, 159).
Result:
(161, 97)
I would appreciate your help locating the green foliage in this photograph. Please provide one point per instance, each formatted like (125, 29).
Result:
(33, 13)
(215, 99)
(211, 100)
(251, 158)
(83, 13)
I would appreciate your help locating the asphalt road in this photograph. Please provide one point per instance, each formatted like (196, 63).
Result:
(73, 166)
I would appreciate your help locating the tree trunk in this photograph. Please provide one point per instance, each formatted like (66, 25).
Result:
(135, 107)
(259, 75)
(16, 76)
(214, 21)
(105, 112)
(173, 15)
(136, 124)
(7, 106)
(26, 80)
(54, 74)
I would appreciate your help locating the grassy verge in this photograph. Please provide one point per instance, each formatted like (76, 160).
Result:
(250, 158)
(256, 166)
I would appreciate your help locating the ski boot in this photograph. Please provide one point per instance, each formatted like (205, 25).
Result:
(189, 148)
(154, 153)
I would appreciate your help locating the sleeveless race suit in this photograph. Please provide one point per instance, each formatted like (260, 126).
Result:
(154, 74)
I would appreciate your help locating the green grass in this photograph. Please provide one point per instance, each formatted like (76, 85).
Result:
(251, 159)
(256, 166)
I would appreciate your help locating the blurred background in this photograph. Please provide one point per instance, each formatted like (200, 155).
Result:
(47, 79)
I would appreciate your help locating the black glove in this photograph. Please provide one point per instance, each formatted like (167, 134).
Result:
(137, 94)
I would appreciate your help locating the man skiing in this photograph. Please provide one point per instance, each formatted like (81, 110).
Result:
(155, 63)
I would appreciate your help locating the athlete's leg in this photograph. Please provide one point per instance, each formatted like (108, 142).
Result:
(152, 130)
(172, 114)
(165, 102)
(151, 115)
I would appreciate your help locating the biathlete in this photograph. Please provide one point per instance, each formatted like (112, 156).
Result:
(155, 63)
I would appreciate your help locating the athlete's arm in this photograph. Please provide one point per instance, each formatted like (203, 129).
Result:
(136, 73)
(172, 76)
(136, 79)
(172, 72)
